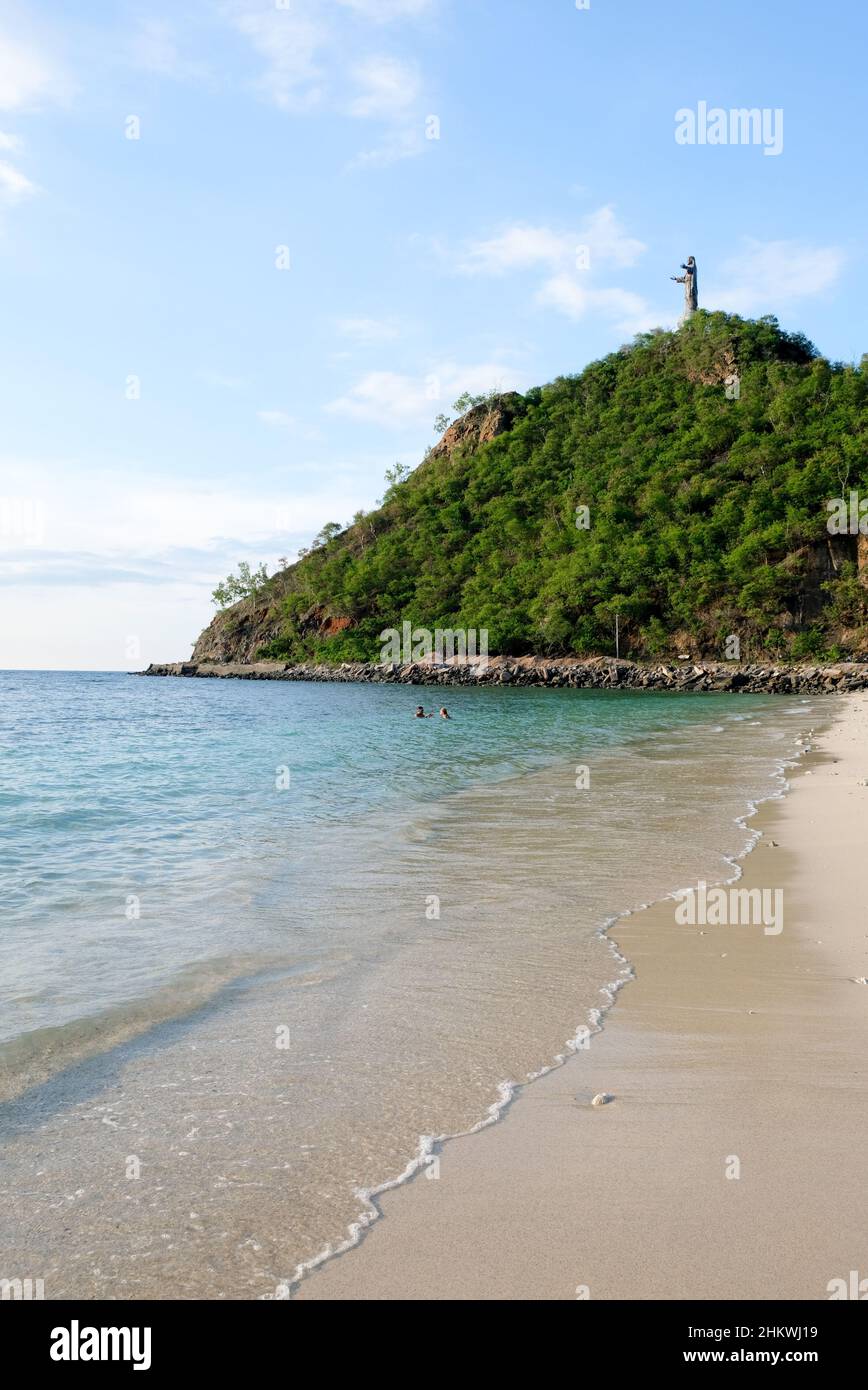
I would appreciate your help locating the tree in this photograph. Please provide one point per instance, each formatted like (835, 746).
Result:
(398, 474)
(464, 403)
(468, 402)
(328, 533)
(246, 583)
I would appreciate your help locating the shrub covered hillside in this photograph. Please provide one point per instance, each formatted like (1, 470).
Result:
(706, 516)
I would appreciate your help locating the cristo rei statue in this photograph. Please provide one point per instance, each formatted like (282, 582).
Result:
(691, 288)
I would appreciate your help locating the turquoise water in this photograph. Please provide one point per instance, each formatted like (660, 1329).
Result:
(193, 869)
(122, 796)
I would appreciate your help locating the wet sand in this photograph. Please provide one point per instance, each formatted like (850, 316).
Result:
(731, 1162)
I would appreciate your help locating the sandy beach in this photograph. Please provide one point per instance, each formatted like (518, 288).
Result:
(730, 1162)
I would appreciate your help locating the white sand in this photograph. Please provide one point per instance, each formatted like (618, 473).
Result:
(631, 1199)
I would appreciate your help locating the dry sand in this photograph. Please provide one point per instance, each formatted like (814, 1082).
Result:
(729, 1045)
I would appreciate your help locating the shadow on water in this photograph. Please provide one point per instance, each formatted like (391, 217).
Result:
(91, 1077)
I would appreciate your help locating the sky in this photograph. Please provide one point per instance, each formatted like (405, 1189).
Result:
(251, 249)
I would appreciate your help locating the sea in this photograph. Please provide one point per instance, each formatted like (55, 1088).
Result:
(265, 946)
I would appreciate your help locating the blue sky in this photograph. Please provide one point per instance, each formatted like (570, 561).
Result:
(472, 194)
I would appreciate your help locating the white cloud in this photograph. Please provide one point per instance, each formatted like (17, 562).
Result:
(29, 79)
(305, 50)
(13, 184)
(647, 320)
(387, 90)
(367, 332)
(566, 294)
(757, 280)
(103, 522)
(387, 87)
(765, 275)
(28, 76)
(599, 239)
(384, 398)
(290, 41)
(518, 248)
(397, 144)
(573, 262)
(312, 61)
(394, 400)
(575, 299)
(608, 240)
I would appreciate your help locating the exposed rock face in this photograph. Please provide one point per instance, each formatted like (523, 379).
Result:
(601, 673)
(323, 624)
(717, 372)
(822, 562)
(481, 424)
(237, 633)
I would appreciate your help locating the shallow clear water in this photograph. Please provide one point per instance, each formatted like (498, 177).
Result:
(266, 993)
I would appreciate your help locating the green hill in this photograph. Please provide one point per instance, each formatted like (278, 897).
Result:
(707, 516)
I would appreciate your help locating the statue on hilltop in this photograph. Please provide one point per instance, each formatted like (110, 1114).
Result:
(691, 288)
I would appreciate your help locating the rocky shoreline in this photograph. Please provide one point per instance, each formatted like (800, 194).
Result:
(599, 673)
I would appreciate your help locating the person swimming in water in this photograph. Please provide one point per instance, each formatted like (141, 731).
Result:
(420, 713)
(444, 713)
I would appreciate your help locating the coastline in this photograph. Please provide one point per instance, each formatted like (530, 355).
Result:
(574, 673)
(732, 1051)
